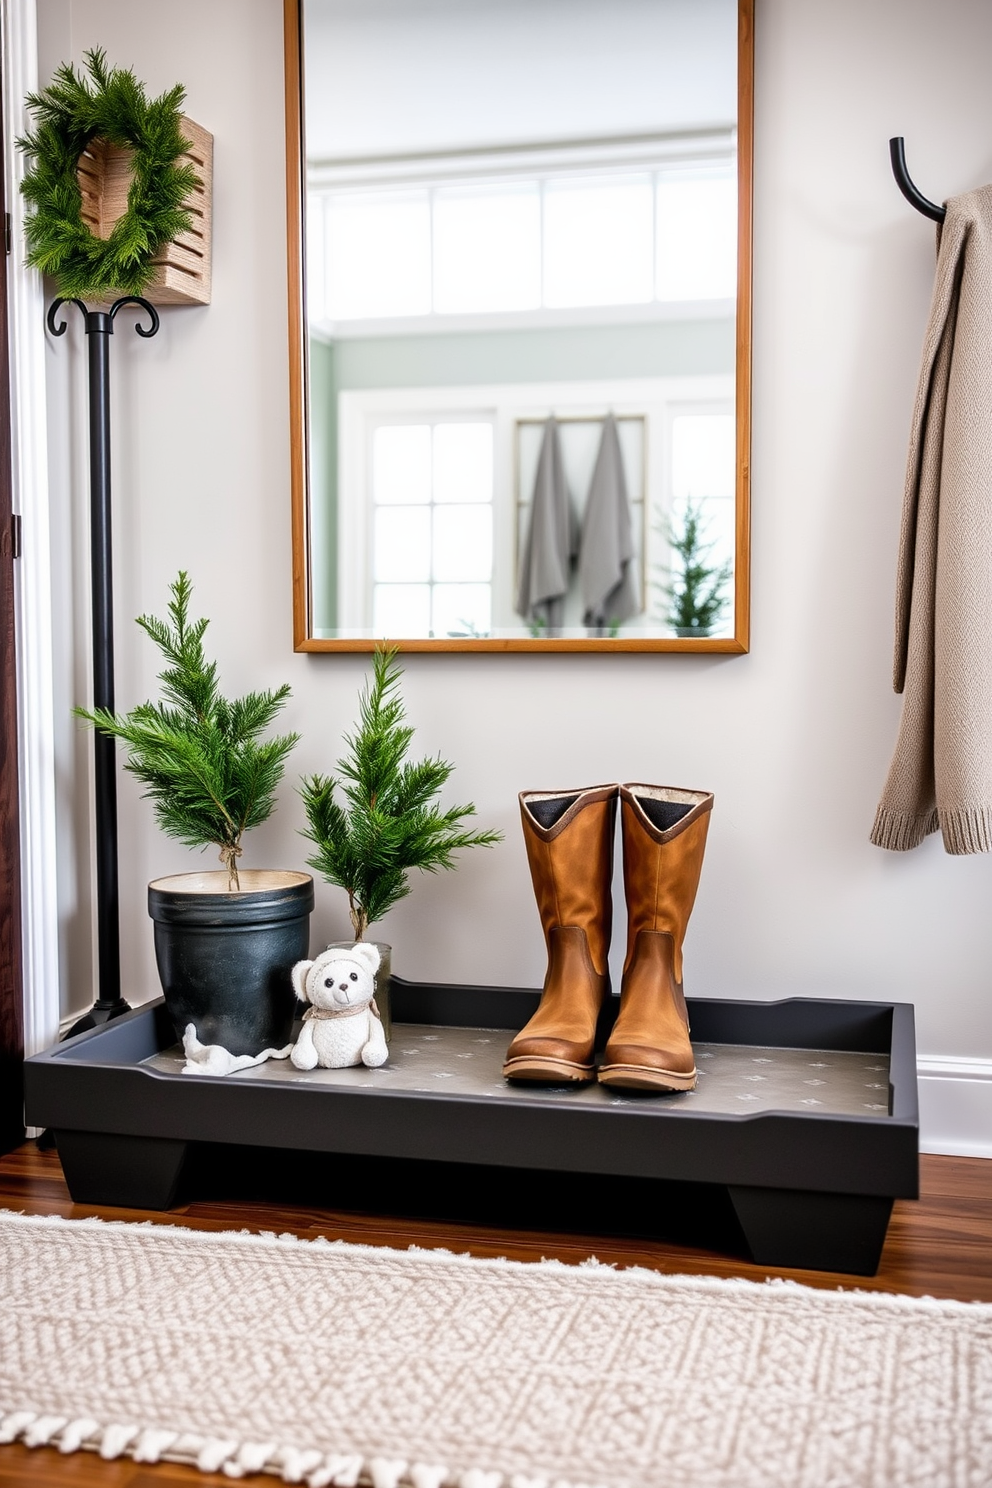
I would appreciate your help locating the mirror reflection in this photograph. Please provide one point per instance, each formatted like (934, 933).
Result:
(521, 317)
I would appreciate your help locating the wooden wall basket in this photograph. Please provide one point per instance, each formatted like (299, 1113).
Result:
(182, 267)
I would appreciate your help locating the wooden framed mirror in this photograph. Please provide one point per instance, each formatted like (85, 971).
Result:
(520, 323)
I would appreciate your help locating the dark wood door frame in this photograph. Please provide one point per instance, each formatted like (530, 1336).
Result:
(11, 1001)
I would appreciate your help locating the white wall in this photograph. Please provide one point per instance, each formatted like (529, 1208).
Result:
(794, 738)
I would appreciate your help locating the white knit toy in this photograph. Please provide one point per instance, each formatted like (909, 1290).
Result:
(341, 1026)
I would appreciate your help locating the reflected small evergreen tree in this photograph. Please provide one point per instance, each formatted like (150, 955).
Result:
(696, 593)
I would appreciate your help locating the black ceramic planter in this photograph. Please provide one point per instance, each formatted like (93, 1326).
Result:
(225, 959)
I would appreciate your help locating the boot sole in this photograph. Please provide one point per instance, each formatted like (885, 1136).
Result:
(644, 1077)
(548, 1071)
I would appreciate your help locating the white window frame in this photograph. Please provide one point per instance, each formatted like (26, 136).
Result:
(658, 400)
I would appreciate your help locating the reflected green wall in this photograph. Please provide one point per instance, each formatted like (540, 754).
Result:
(690, 348)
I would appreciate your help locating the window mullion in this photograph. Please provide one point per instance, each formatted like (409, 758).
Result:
(655, 228)
(542, 183)
(431, 200)
(432, 581)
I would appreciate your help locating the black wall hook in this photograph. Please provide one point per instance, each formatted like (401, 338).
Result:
(897, 154)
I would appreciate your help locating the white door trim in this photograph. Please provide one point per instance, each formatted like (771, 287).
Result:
(33, 579)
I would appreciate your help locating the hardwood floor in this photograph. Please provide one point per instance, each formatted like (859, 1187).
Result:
(939, 1246)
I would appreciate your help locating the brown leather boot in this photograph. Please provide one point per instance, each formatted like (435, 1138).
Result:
(664, 835)
(569, 836)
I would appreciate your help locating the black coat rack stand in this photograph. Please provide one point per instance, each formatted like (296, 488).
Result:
(99, 328)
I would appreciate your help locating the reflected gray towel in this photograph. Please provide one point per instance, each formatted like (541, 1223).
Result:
(552, 539)
(941, 772)
(607, 576)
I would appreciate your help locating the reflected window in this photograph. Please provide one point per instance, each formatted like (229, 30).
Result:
(696, 255)
(432, 528)
(377, 254)
(539, 240)
(598, 242)
(434, 503)
(703, 457)
(487, 248)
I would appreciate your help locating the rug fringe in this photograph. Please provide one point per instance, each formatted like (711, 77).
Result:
(251, 1457)
(241, 1459)
(152, 1443)
(116, 1440)
(42, 1429)
(15, 1424)
(342, 1472)
(76, 1433)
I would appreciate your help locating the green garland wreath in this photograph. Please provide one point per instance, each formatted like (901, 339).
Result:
(68, 114)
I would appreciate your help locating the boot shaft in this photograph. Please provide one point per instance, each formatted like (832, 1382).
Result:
(569, 837)
(664, 838)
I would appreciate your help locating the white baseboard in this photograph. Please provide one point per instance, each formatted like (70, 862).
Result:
(955, 1106)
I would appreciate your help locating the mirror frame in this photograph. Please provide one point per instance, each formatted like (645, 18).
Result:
(303, 638)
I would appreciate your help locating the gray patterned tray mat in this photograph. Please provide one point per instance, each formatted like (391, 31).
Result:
(737, 1079)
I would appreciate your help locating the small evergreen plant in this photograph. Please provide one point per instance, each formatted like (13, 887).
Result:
(388, 821)
(697, 593)
(210, 777)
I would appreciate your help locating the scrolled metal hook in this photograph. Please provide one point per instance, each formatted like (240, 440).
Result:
(906, 184)
(53, 310)
(145, 305)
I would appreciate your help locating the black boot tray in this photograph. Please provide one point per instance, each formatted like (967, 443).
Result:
(805, 1111)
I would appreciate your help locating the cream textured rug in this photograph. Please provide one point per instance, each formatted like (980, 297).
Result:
(329, 1363)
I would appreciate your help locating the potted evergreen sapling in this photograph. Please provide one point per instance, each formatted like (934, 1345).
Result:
(225, 941)
(697, 592)
(387, 820)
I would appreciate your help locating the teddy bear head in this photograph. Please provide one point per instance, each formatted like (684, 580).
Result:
(339, 978)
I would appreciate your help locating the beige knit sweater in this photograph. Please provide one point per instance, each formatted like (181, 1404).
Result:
(941, 772)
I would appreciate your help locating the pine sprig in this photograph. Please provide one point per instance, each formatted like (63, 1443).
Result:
(106, 103)
(388, 821)
(208, 775)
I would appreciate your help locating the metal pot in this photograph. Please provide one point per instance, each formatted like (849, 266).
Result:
(225, 958)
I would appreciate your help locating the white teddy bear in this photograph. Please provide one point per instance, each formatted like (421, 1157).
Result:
(341, 1027)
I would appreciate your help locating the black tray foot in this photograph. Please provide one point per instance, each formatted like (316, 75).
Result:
(812, 1231)
(125, 1172)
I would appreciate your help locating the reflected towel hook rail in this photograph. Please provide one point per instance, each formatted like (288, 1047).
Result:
(915, 197)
